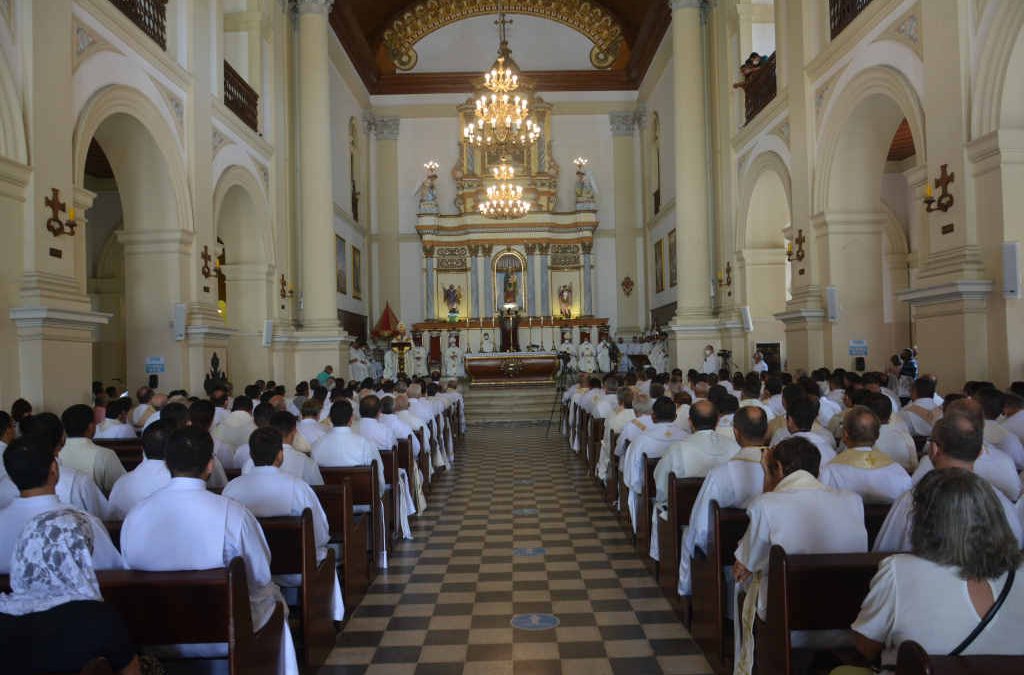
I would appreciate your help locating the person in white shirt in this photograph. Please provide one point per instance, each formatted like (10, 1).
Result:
(149, 403)
(712, 362)
(309, 426)
(759, 366)
(403, 431)
(613, 424)
(201, 416)
(801, 415)
(862, 468)
(956, 443)
(802, 515)
(836, 388)
(30, 463)
(148, 477)
(116, 425)
(343, 447)
(642, 406)
(370, 427)
(81, 454)
(1013, 414)
(992, 401)
(405, 416)
(293, 462)
(963, 557)
(238, 425)
(653, 442)
(219, 398)
(892, 440)
(268, 490)
(922, 411)
(773, 392)
(695, 456)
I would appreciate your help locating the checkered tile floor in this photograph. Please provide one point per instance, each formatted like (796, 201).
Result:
(445, 605)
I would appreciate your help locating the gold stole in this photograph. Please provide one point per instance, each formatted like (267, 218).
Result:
(872, 459)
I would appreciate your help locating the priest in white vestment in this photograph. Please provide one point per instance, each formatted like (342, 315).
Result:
(238, 426)
(422, 409)
(642, 407)
(269, 491)
(705, 449)
(1013, 415)
(146, 478)
(81, 454)
(358, 362)
(383, 438)
(163, 534)
(893, 440)
(587, 356)
(419, 356)
(30, 464)
(652, 443)
(402, 430)
(604, 355)
(309, 426)
(712, 362)
(415, 423)
(956, 442)
(922, 411)
(294, 463)
(801, 420)
(862, 468)
(455, 358)
(141, 412)
(614, 424)
(568, 350)
(116, 426)
(996, 435)
(802, 515)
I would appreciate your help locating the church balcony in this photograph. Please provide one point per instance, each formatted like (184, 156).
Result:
(240, 98)
(841, 14)
(149, 15)
(760, 88)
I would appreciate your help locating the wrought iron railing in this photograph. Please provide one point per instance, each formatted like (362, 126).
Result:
(240, 98)
(841, 13)
(760, 88)
(149, 15)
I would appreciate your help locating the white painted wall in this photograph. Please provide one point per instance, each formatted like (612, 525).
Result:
(422, 140)
(589, 136)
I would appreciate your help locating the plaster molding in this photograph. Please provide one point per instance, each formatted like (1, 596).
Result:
(174, 103)
(200, 333)
(961, 290)
(156, 241)
(14, 178)
(796, 317)
(387, 128)
(34, 321)
(322, 7)
(623, 123)
(85, 43)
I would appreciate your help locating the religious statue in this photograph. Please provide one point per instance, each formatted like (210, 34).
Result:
(586, 356)
(452, 298)
(453, 358)
(511, 288)
(419, 357)
(565, 300)
(585, 192)
(427, 191)
(358, 362)
(568, 349)
(486, 344)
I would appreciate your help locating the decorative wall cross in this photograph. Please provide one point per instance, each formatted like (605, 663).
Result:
(945, 201)
(799, 254)
(54, 223)
(206, 262)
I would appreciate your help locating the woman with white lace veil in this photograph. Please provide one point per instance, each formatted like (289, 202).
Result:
(55, 620)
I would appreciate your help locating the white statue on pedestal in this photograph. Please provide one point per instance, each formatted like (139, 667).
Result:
(587, 356)
(418, 357)
(453, 358)
(486, 344)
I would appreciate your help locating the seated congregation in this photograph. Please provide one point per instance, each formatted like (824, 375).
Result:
(230, 531)
(818, 523)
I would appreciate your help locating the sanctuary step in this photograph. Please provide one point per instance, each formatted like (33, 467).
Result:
(519, 403)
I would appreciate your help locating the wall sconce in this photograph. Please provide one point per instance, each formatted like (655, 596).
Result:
(207, 272)
(799, 254)
(287, 290)
(54, 224)
(727, 279)
(627, 287)
(945, 201)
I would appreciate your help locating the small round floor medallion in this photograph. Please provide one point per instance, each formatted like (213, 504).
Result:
(529, 552)
(534, 621)
(524, 512)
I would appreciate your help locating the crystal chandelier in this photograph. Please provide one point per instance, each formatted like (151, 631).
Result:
(504, 198)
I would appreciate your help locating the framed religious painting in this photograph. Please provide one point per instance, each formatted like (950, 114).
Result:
(357, 273)
(673, 271)
(342, 265)
(659, 266)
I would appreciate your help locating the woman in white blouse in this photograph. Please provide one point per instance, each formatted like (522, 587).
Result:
(964, 556)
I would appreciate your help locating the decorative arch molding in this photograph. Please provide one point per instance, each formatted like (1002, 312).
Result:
(998, 35)
(232, 155)
(763, 162)
(881, 81)
(588, 18)
(12, 122)
(893, 230)
(244, 178)
(119, 99)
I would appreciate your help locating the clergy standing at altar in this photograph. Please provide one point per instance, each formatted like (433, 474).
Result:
(419, 357)
(358, 363)
(453, 358)
(587, 359)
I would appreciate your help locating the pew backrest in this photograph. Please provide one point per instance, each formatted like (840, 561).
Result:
(912, 659)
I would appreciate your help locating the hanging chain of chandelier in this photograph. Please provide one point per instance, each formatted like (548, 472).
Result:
(502, 124)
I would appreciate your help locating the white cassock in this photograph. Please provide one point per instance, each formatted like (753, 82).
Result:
(419, 361)
(296, 464)
(898, 444)
(341, 446)
(1015, 424)
(220, 413)
(358, 364)
(758, 403)
(868, 472)
(113, 430)
(604, 357)
(894, 536)
(659, 357)
(444, 428)
(825, 443)
(827, 411)
(570, 349)
(384, 439)
(920, 414)
(226, 454)
(73, 488)
(311, 430)
(774, 404)
(712, 364)
(390, 365)
(732, 484)
(612, 424)
(630, 432)
(653, 442)
(587, 357)
(803, 516)
(269, 492)
(1000, 438)
(453, 361)
(160, 535)
(102, 464)
(759, 367)
(993, 465)
(486, 344)
(15, 515)
(235, 429)
(140, 414)
(145, 479)
(416, 423)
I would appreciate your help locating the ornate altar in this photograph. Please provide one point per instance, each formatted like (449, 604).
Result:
(512, 368)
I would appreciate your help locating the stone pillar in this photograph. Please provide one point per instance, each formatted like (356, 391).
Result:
(545, 279)
(625, 141)
(321, 341)
(430, 310)
(474, 280)
(488, 281)
(386, 131)
(530, 279)
(588, 279)
(694, 324)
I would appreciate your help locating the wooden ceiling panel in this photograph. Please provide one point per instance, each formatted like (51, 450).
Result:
(902, 145)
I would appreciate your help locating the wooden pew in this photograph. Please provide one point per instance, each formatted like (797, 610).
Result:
(114, 530)
(594, 447)
(423, 460)
(129, 451)
(366, 491)
(809, 592)
(162, 608)
(624, 514)
(394, 495)
(351, 532)
(709, 626)
(644, 505)
(913, 660)
(874, 518)
(611, 478)
(232, 474)
(293, 551)
(682, 493)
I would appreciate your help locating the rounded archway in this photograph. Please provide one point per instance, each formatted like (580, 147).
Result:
(247, 267)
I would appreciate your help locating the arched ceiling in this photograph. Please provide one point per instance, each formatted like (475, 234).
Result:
(384, 39)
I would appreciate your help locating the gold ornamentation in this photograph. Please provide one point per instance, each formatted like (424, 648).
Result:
(588, 18)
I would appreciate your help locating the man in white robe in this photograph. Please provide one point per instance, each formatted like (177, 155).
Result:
(455, 358)
(309, 426)
(116, 426)
(653, 442)
(1013, 415)
(31, 465)
(604, 355)
(149, 403)
(81, 454)
(422, 409)
(184, 526)
(613, 424)
(956, 442)
(269, 491)
(404, 415)
(418, 356)
(238, 426)
(452, 390)
(705, 449)
(358, 362)
(587, 356)
(893, 440)
(148, 477)
(712, 362)
(862, 468)
(922, 411)
(751, 395)
(383, 438)
(996, 435)
(567, 348)
(642, 407)
(401, 431)
(801, 418)
(201, 416)
(294, 463)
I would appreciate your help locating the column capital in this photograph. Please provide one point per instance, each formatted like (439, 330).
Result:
(312, 6)
(685, 4)
(384, 128)
(623, 122)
